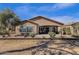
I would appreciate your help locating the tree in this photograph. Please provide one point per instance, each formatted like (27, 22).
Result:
(8, 20)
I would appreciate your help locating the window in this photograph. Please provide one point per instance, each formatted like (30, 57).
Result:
(22, 29)
(29, 28)
(25, 28)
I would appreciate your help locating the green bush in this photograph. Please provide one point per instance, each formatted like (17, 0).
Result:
(32, 34)
(25, 34)
(44, 37)
(4, 32)
(52, 34)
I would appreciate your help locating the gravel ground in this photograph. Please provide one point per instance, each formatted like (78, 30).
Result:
(55, 47)
(6, 45)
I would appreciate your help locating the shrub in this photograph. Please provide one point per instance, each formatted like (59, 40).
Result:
(52, 34)
(32, 34)
(3, 33)
(44, 37)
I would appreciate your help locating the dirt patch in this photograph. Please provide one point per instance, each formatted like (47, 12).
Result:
(6, 45)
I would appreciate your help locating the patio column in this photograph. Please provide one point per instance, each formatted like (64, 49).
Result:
(38, 29)
(50, 29)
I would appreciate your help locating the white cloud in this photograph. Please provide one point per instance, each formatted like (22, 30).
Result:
(62, 5)
(56, 6)
(27, 9)
(65, 19)
(32, 11)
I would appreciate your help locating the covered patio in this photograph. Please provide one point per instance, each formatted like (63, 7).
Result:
(46, 29)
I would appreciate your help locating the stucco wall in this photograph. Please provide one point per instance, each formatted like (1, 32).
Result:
(75, 29)
(33, 25)
(17, 30)
(27, 24)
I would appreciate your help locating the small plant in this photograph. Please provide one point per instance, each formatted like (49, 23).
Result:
(32, 34)
(52, 34)
(4, 32)
(44, 37)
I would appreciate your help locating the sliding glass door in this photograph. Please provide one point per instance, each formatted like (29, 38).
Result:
(43, 29)
(46, 29)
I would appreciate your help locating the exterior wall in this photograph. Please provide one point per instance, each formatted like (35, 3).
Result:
(27, 24)
(17, 30)
(60, 29)
(33, 25)
(75, 29)
(71, 28)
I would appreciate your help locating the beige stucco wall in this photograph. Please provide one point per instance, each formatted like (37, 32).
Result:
(33, 25)
(77, 30)
(27, 24)
(71, 30)
(69, 26)
(17, 30)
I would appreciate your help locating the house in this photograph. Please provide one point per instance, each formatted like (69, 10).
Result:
(39, 25)
(42, 25)
(67, 29)
(75, 27)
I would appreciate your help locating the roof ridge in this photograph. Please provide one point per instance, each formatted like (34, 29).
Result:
(47, 19)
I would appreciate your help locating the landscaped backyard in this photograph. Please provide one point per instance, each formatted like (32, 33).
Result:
(51, 38)
(53, 47)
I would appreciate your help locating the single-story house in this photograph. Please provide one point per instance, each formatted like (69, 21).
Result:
(40, 25)
(43, 25)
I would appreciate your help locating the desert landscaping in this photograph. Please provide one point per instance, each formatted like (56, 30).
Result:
(37, 36)
(39, 47)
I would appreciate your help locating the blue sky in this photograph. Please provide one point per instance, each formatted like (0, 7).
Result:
(63, 12)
